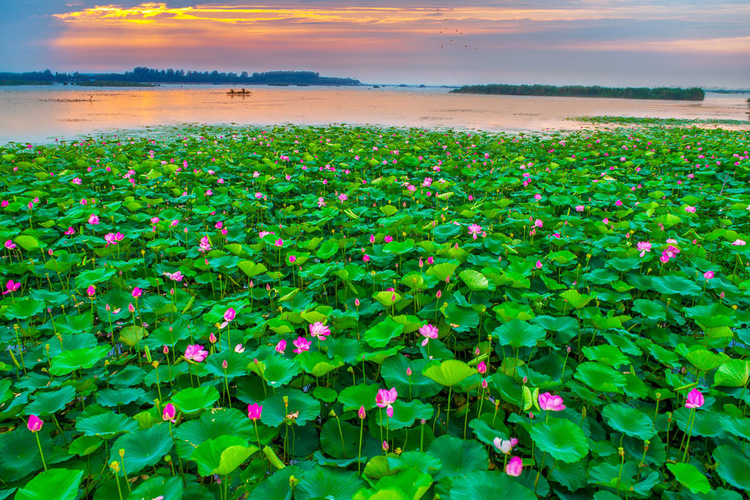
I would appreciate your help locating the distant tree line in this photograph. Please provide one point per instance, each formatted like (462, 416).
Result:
(679, 94)
(150, 75)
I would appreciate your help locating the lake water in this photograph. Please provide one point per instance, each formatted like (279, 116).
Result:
(43, 113)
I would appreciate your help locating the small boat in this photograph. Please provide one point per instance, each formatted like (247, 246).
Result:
(239, 92)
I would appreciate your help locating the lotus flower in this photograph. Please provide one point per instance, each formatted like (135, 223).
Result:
(229, 314)
(35, 423)
(694, 399)
(10, 245)
(281, 346)
(301, 344)
(551, 403)
(643, 246)
(504, 446)
(708, 275)
(11, 286)
(168, 413)
(137, 292)
(386, 397)
(428, 331)
(319, 330)
(93, 219)
(254, 410)
(514, 467)
(361, 413)
(176, 276)
(195, 352)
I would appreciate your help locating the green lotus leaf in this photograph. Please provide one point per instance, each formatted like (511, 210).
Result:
(517, 333)
(61, 484)
(600, 377)
(628, 420)
(194, 400)
(327, 250)
(275, 412)
(382, 332)
(606, 354)
(731, 465)
(211, 425)
(448, 373)
(221, 455)
(78, 359)
(46, 403)
(675, 285)
(106, 425)
(154, 487)
(690, 477)
(576, 299)
(356, 396)
(458, 456)
(485, 485)
(399, 247)
(733, 373)
(322, 482)
(474, 280)
(561, 439)
(417, 385)
(143, 448)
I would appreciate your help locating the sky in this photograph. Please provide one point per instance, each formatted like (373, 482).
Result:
(702, 43)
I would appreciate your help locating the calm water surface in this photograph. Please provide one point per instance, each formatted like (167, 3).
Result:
(44, 113)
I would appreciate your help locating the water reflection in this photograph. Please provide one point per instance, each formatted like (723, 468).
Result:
(37, 114)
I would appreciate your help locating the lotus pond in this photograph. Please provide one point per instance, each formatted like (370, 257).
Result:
(362, 313)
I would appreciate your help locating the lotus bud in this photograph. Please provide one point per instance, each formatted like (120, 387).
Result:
(224, 364)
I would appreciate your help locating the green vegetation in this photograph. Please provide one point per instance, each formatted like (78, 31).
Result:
(150, 75)
(629, 120)
(113, 83)
(361, 313)
(692, 94)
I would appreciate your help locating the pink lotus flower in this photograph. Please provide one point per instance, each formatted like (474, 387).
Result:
(343, 197)
(301, 344)
(430, 260)
(690, 209)
(205, 245)
(94, 219)
(319, 330)
(196, 353)
(137, 292)
(11, 286)
(361, 413)
(239, 349)
(551, 403)
(281, 346)
(278, 243)
(91, 291)
(212, 338)
(643, 246)
(514, 467)
(70, 231)
(388, 239)
(385, 398)
(428, 331)
(694, 399)
(176, 276)
(366, 258)
(35, 423)
(504, 446)
(708, 275)
(739, 243)
(229, 314)
(77, 181)
(539, 264)
(10, 245)
(110, 239)
(580, 208)
(539, 223)
(474, 230)
(254, 410)
(169, 412)
(321, 202)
